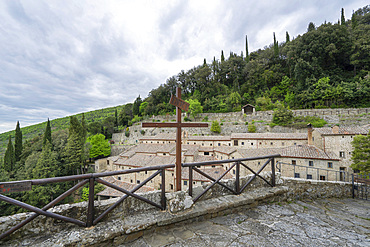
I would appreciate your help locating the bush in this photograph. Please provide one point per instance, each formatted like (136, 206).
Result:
(216, 128)
(252, 128)
(205, 119)
(282, 115)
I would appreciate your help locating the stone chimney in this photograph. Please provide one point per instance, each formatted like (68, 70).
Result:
(309, 134)
(335, 129)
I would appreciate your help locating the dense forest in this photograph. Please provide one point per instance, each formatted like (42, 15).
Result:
(328, 66)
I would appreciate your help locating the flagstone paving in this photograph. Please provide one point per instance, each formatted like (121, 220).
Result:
(324, 222)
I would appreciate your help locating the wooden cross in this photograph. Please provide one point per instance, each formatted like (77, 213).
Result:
(180, 105)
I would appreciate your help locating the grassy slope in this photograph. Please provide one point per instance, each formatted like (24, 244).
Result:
(56, 124)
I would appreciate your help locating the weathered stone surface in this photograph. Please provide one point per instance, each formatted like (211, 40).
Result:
(132, 217)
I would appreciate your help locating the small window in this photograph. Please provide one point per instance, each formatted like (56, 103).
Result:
(187, 142)
(185, 182)
(107, 162)
(260, 143)
(342, 136)
(137, 181)
(322, 177)
(171, 186)
(282, 144)
(164, 153)
(206, 153)
(295, 143)
(235, 142)
(294, 162)
(210, 144)
(219, 144)
(131, 180)
(243, 144)
(213, 166)
(309, 176)
(310, 163)
(251, 143)
(259, 162)
(195, 143)
(229, 144)
(341, 154)
(119, 178)
(271, 143)
(202, 144)
(233, 171)
(330, 164)
(296, 175)
(193, 182)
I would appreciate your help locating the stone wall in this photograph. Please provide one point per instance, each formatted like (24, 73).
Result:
(132, 217)
(235, 122)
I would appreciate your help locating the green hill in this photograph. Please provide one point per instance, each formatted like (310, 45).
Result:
(57, 124)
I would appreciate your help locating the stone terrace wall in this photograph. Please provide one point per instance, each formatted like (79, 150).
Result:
(133, 216)
(234, 122)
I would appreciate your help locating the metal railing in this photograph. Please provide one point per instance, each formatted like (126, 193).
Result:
(86, 179)
(313, 173)
(361, 186)
(237, 163)
(91, 178)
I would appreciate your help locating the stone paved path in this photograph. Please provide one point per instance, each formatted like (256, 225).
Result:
(325, 222)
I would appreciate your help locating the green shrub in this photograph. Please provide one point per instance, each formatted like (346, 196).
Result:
(216, 128)
(252, 128)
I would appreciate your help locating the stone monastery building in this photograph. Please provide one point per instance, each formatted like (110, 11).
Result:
(301, 154)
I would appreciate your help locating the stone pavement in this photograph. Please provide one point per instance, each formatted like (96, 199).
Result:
(323, 222)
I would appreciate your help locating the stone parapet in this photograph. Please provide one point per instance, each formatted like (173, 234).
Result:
(133, 217)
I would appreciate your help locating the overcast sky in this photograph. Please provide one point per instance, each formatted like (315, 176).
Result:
(59, 58)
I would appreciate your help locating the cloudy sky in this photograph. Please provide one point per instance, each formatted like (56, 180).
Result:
(59, 58)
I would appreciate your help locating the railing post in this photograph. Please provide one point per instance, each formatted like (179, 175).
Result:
(190, 181)
(237, 180)
(163, 192)
(90, 209)
(353, 186)
(273, 172)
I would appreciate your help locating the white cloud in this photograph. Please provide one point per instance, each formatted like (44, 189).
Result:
(58, 58)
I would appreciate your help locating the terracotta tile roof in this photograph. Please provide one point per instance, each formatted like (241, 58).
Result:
(345, 130)
(160, 137)
(209, 138)
(225, 149)
(205, 149)
(149, 149)
(108, 191)
(296, 151)
(269, 136)
(214, 172)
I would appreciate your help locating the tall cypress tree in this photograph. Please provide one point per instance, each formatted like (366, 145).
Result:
(342, 18)
(287, 39)
(9, 158)
(115, 118)
(222, 56)
(276, 47)
(18, 143)
(47, 134)
(246, 49)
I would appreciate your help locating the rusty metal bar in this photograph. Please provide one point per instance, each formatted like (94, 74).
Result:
(128, 192)
(163, 190)
(273, 172)
(90, 208)
(124, 197)
(213, 162)
(215, 182)
(190, 181)
(40, 211)
(237, 178)
(93, 175)
(255, 175)
(212, 179)
(178, 144)
(258, 174)
(49, 205)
